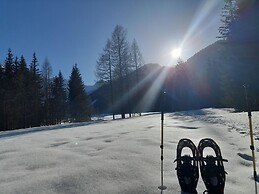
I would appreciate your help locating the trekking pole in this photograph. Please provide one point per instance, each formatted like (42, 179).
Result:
(252, 147)
(162, 187)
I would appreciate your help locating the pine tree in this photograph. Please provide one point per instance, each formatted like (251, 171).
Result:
(16, 65)
(240, 21)
(35, 93)
(46, 90)
(59, 99)
(22, 100)
(229, 17)
(78, 100)
(9, 91)
(9, 66)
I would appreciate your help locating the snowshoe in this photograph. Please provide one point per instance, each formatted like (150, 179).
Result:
(212, 168)
(187, 167)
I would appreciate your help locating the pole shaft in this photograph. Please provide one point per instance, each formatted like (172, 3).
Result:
(162, 150)
(252, 147)
(162, 187)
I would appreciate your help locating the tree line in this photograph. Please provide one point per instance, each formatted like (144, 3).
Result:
(31, 97)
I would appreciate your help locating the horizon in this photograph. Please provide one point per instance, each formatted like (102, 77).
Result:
(69, 33)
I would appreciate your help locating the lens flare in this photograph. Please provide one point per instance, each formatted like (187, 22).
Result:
(176, 53)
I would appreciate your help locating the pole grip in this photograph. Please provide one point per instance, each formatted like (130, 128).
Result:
(162, 105)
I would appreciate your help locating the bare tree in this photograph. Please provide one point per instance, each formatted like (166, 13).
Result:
(138, 62)
(104, 71)
(120, 59)
(115, 66)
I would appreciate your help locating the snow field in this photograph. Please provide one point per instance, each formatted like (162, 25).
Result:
(122, 156)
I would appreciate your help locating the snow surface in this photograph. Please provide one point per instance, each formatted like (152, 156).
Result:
(122, 156)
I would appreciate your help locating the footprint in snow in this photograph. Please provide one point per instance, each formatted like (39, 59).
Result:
(58, 144)
(108, 141)
(187, 127)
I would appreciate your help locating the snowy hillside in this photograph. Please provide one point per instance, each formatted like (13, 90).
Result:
(122, 156)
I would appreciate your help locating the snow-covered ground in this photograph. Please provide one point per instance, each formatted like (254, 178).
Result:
(122, 156)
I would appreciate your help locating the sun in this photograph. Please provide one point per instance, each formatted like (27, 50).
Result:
(176, 53)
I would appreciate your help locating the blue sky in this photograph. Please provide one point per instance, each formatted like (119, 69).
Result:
(75, 31)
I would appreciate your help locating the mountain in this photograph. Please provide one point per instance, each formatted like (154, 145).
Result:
(225, 52)
(223, 68)
(212, 52)
(90, 89)
(213, 77)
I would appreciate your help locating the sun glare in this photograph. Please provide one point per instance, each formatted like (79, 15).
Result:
(176, 53)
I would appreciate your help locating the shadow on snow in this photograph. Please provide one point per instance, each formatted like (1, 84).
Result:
(5, 134)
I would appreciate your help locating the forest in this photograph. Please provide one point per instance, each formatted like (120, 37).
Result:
(30, 97)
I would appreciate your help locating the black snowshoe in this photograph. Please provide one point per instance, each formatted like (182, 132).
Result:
(212, 168)
(187, 167)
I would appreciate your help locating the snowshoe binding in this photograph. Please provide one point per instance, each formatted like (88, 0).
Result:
(187, 167)
(212, 168)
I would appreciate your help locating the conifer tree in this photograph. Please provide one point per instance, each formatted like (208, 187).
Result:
(16, 65)
(59, 99)
(9, 91)
(46, 90)
(35, 93)
(9, 66)
(229, 16)
(78, 100)
(22, 94)
(239, 21)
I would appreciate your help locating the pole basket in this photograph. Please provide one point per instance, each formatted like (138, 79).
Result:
(162, 188)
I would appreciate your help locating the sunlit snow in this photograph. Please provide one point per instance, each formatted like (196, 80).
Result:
(122, 156)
